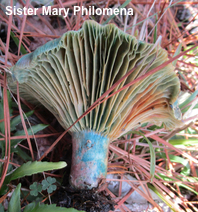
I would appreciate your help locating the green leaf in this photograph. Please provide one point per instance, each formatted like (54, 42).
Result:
(165, 198)
(187, 187)
(51, 188)
(45, 184)
(177, 159)
(183, 142)
(184, 79)
(1, 208)
(48, 184)
(14, 204)
(30, 168)
(2, 130)
(188, 100)
(16, 40)
(17, 120)
(51, 180)
(152, 154)
(165, 177)
(177, 52)
(35, 189)
(155, 32)
(21, 153)
(2, 148)
(32, 130)
(32, 207)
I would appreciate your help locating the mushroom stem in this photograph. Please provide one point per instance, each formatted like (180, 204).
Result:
(89, 159)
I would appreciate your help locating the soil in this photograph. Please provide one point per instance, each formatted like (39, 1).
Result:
(87, 200)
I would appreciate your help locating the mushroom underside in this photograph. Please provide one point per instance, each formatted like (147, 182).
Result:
(69, 74)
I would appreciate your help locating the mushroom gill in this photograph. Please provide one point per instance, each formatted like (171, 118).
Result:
(69, 74)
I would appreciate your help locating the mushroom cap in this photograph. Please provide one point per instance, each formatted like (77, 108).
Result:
(67, 75)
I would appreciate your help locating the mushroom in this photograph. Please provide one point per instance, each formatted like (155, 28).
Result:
(67, 75)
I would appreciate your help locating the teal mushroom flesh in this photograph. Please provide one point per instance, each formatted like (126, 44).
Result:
(69, 74)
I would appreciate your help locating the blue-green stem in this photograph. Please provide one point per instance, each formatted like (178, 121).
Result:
(89, 159)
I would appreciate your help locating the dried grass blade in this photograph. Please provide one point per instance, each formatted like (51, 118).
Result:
(23, 123)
